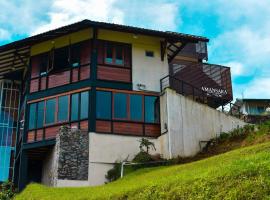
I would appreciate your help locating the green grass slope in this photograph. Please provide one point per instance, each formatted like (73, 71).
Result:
(239, 174)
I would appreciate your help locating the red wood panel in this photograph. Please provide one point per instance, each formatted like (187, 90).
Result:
(85, 52)
(31, 136)
(84, 125)
(34, 85)
(113, 73)
(103, 126)
(35, 61)
(51, 132)
(39, 135)
(43, 83)
(152, 130)
(85, 72)
(127, 128)
(75, 74)
(75, 124)
(59, 79)
(100, 52)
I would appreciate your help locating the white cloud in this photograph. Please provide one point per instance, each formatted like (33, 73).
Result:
(4, 34)
(237, 68)
(160, 15)
(259, 88)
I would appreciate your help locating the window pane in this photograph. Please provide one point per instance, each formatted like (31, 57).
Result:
(84, 105)
(75, 55)
(50, 111)
(104, 106)
(61, 57)
(120, 106)
(109, 54)
(32, 116)
(136, 107)
(62, 108)
(74, 107)
(40, 114)
(119, 56)
(151, 107)
(44, 64)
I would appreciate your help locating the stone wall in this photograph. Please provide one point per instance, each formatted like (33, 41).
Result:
(73, 155)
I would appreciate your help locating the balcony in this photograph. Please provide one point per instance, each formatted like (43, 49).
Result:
(205, 83)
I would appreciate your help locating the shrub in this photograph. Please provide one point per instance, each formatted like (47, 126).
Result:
(114, 173)
(7, 191)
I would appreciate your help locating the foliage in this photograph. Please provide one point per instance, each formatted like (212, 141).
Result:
(7, 191)
(212, 178)
(145, 145)
(114, 173)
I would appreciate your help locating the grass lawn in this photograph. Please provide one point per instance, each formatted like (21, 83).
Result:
(243, 173)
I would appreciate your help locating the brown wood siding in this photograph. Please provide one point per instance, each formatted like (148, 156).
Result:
(152, 130)
(31, 136)
(43, 83)
(84, 125)
(58, 79)
(35, 66)
(85, 72)
(34, 85)
(128, 128)
(114, 74)
(51, 132)
(39, 135)
(103, 126)
(75, 75)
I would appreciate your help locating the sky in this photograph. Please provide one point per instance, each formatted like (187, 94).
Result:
(239, 30)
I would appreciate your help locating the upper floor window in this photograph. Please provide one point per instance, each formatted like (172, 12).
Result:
(114, 54)
(61, 59)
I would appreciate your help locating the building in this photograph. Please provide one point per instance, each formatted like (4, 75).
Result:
(116, 84)
(254, 110)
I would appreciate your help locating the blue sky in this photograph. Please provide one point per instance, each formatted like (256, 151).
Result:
(239, 30)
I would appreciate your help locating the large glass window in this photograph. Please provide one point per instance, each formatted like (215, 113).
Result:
(136, 107)
(109, 54)
(119, 58)
(40, 114)
(50, 111)
(61, 59)
(75, 107)
(120, 106)
(62, 114)
(104, 105)
(84, 105)
(75, 55)
(32, 116)
(114, 54)
(151, 107)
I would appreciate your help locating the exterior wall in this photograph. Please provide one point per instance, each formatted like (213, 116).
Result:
(145, 70)
(106, 149)
(61, 41)
(49, 168)
(190, 122)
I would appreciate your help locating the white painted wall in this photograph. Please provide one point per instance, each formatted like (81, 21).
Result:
(148, 70)
(190, 122)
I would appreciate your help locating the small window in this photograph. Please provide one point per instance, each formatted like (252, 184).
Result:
(149, 53)
(151, 107)
(44, 62)
(75, 55)
(136, 107)
(50, 111)
(84, 105)
(109, 54)
(40, 114)
(119, 58)
(62, 114)
(104, 105)
(120, 106)
(32, 116)
(74, 107)
(61, 59)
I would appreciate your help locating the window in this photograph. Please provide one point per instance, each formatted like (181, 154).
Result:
(120, 106)
(114, 54)
(260, 109)
(136, 107)
(50, 111)
(62, 114)
(61, 59)
(151, 104)
(40, 114)
(104, 105)
(44, 62)
(32, 116)
(75, 55)
(74, 107)
(84, 105)
(149, 53)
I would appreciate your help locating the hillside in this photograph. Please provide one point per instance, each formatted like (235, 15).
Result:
(238, 174)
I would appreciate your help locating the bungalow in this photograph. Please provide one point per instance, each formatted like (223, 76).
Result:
(112, 85)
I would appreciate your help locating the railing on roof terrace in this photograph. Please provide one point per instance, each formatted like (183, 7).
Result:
(213, 98)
